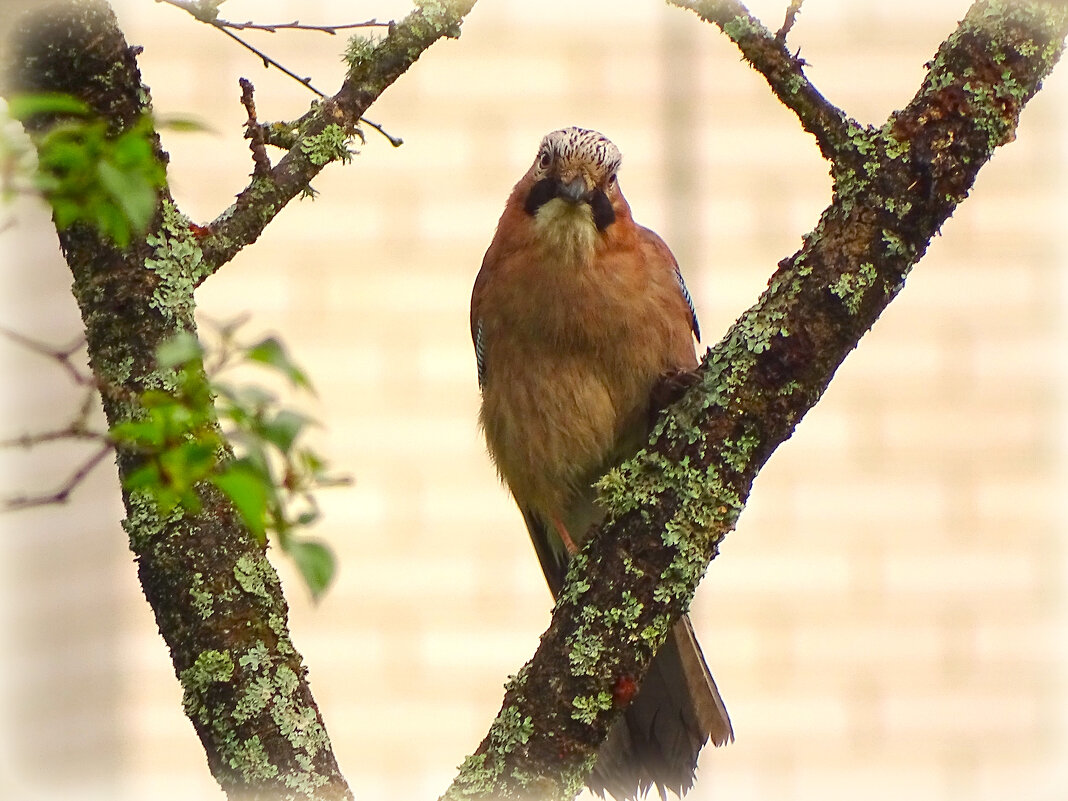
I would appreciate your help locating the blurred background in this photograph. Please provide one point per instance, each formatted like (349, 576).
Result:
(888, 621)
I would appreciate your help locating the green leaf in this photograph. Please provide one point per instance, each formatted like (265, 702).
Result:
(22, 107)
(110, 221)
(249, 491)
(315, 562)
(251, 399)
(272, 353)
(284, 429)
(131, 192)
(147, 475)
(181, 348)
(307, 517)
(139, 432)
(132, 150)
(188, 462)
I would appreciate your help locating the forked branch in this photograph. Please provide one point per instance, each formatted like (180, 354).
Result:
(669, 507)
(768, 54)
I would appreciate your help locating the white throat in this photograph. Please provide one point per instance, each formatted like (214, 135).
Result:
(566, 231)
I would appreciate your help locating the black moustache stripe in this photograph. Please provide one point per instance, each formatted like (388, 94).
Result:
(603, 214)
(540, 194)
(548, 188)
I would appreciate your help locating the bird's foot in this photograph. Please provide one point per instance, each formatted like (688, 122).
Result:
(669, 387)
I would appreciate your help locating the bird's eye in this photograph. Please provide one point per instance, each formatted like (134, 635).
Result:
(611, 179)
(545, 160)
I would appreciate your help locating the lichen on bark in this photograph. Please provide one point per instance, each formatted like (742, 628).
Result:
(670, 506)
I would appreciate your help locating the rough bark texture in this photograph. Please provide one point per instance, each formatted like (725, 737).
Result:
(217, 600)
(671, 505)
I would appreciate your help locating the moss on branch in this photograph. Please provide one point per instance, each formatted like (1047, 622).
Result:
(671, 505)
(216, 599)
(321, 136)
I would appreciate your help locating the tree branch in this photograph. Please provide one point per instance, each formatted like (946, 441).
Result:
(62, 494)
(208, 13)
(254, 132)
(377, 67)
(787, 24)
(670, 506)
(767, 53)
(216, 599)
(198, 11)
(61, 355)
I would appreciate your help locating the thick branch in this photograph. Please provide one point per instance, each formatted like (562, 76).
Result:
(671, 505)
(784, 73)
(368, 77)
(217, 601)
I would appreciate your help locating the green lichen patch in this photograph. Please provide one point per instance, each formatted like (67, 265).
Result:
(256, 697)
(510, 730)
(574, 585)
(586, 708)
(654, 634)
(296, 720)
(743, 27)
(145, 524)
(360, 50)
(211, 667)
(477, 778)
(851, 287)
(255, 658)
(586, 651)
(331, 144)
(255, 575)
(203, 600)
(249, 759)
(178, 262)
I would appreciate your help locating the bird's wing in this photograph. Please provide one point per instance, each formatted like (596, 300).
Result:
(656, 249)
(478, 335)
(551, 554)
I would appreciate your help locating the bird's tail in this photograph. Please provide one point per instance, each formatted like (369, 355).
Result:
(676, 711)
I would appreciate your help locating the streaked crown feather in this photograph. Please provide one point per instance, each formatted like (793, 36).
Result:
(569, 145)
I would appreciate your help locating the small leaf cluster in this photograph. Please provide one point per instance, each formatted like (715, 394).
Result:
(270, 477)
(110, 182)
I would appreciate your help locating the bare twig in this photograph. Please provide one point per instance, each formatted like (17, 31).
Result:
(267, 60)
(260, 201)
(254, 131)
(73, 431)
(210, 15)
(198, 11)
(788, 23)
(396, 141)
(783, 71)
(63, 493)
(61, 355)
(296, 25)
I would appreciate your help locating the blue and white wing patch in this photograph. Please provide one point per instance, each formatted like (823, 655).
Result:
(480, 354)
(689, 302)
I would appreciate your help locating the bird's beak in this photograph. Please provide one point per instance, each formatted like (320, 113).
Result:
(573, 191)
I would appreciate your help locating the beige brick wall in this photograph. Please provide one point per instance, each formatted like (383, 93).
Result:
(887, 622)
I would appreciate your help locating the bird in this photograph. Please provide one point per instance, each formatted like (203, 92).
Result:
(577, 313)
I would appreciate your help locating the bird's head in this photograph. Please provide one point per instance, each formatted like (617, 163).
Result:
(573, 193)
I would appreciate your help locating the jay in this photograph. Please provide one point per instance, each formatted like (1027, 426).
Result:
(576, 315)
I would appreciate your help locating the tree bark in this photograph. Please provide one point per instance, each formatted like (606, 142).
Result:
(216, 598)
(671, 505)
